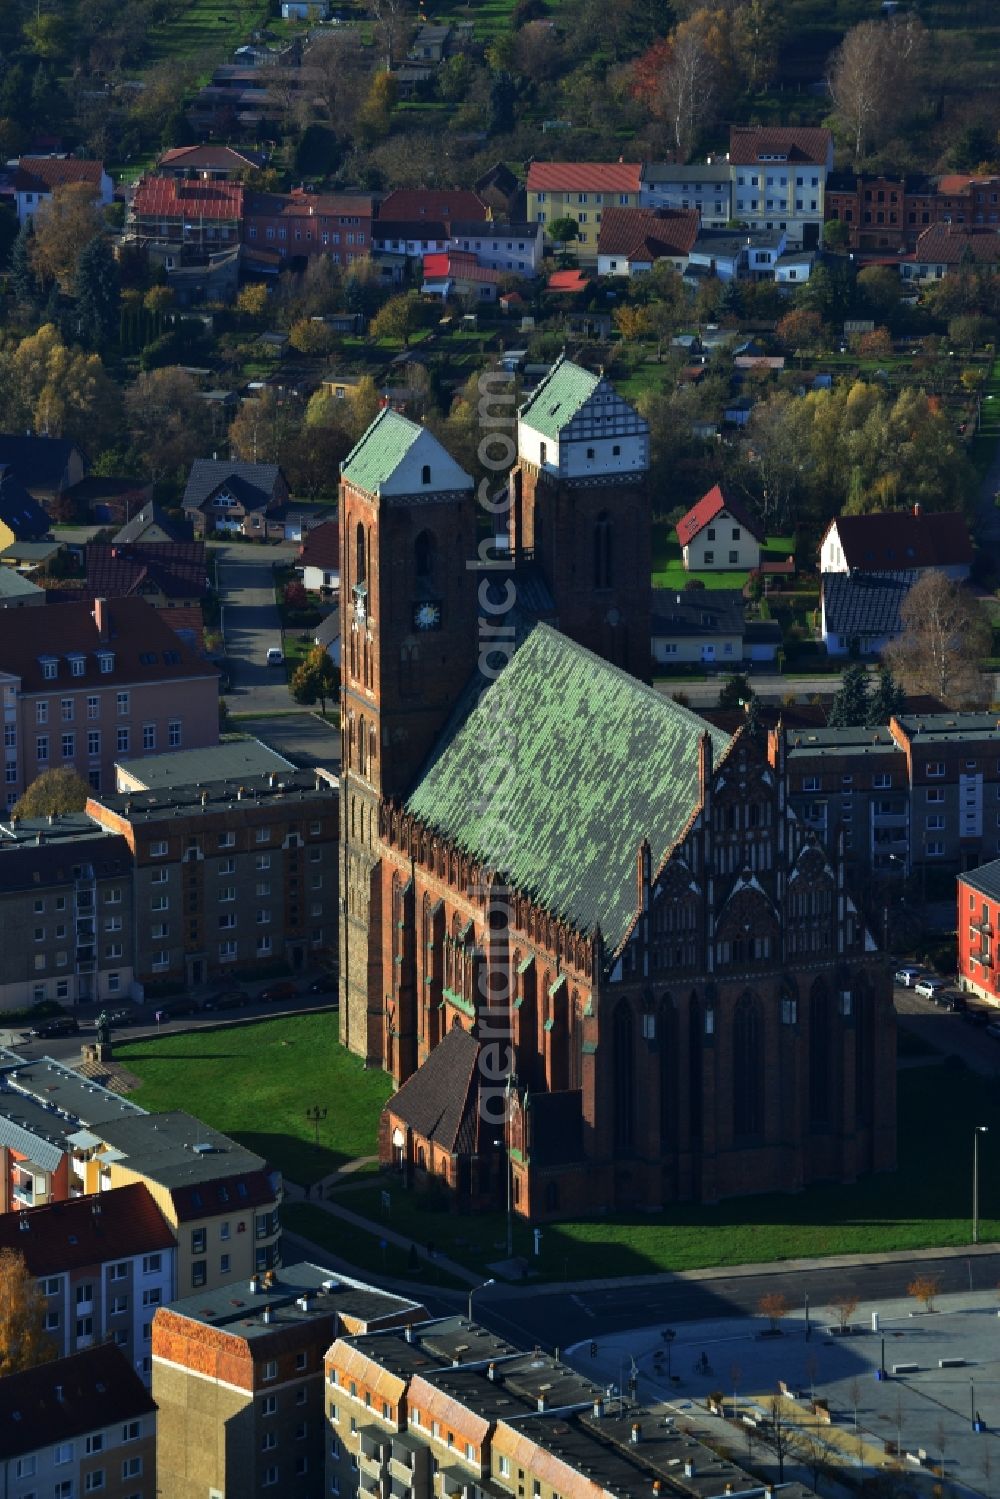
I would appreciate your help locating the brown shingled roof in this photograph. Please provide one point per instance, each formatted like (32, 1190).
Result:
(802, 143)
(42, 174)
(61, 1400)
(436, 1099)
(60, 1236)
(648, 233)
(950, 244)
(903, 539)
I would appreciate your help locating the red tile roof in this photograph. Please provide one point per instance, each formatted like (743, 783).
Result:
(300, 205)
(171, 197)
(135, 630)
(321, 546)
(44, 173)
(83, 1231)
(458, 266)
(429, 203)
(803, 143)
(958, 182)
(68, 1397)
(949, 244)
(177, 568)
(708, 507)
(567, 281)
(648, 233)
(584, 176)
(902, 539)
(209, 158)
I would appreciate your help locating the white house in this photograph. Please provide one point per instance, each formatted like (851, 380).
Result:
(890, 540)
(515, 248)
(37, 177)
(575, 425)
(319, 558)
(860, 611)
(706, 188)
(718, 535)
(778, 176)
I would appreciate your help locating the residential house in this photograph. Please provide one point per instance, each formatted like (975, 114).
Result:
(778, 175)
(37, 178)
(327, 634)
(305, 10)
(411, 238)
(736, 256)
(231, 496)
(230, 874)
(500, 190)
(234, 759)
(167, 574)
(93, 682)
(51, 1119)
(66, 908)
(210, 162)
(184, 223)
(79, 1425)
(442, 205)
(718, 534)
(920, 793)
(581, 190)
(319, 558)
(17, 591)
(220, 1199)
(150, 524)
(575, 426)
(244, 1370)
(457, 273)
(30, 557)
(860, 611)
(704, 188)
(46, 466)
(514, 248)
(943, 248)
(21, 517)
(430, 44)
(103, 1265)
(697, 625)
(303, 224)
(916, 539)
(102, 501)
(632, 240)
(792, 267)
(882, 213)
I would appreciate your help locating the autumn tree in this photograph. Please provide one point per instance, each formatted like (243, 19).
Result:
(757, 29)
(24, 1342)
(943, 640)
(399, 318)
(924, 1288)
(873, 77)
(262, 428)
(773, 1305)
(316, 678)
(375, 115)
(59, 391)
(844, 1306)
(64, 224)
(312, 336)
(168, 422)
(632, 323)
(800, 328)
(875, 344)
(252, 301)
(693, 83)
(51, 793)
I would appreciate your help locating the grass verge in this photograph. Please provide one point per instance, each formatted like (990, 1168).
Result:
(255, 1082)
(359, 1249)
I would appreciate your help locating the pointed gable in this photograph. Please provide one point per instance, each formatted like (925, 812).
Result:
(397, 457)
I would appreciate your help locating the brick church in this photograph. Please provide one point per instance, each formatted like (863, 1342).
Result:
(580, 926)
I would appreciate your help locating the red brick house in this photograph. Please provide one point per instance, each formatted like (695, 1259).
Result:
(300, 223)
(978, 930)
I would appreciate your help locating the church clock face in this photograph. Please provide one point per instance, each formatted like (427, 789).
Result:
(427, 616)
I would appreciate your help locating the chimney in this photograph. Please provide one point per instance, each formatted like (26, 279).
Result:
(635, 1434)
(59, 1392)
(241, 793)
(689, 1469)
(916, 508)
(598, 1408)
(491, 1372)
(267, 1314)
(101, 617)
(255, 1285)
(409, 1334)
(204, 798)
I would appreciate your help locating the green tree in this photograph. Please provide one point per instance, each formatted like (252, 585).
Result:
(24, 1342)
(836, 235)
(886, 700)
(312, 336)
(23, 280)
(316, 678)
(735, 692)
(98, 293)
(563, 231)
(399, 318)
(850, 707)
(53, 792)
(503, 99)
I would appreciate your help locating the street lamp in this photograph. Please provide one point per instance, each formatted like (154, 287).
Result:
(980, 1129)
(478, 1288)
(315, 1116)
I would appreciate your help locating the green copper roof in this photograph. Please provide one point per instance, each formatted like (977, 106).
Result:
(559, 397)
(560, 770)
(377, 454)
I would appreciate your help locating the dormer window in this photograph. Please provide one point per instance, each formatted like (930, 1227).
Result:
(50, 667)
(106, 661)
(425, 474)
(77, 665)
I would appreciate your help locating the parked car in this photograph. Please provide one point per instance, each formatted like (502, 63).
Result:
(976, 1015)
(285, 990)
(226, 999)
(60, 1025)
(929, 986)
(325, 984)
(185, 1005)
(118, 1018)
(908, 975)
(948, 999)
(275, 655)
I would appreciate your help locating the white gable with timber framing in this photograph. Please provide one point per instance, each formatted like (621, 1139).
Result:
(576, 426)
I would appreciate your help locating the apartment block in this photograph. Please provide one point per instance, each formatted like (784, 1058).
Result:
(581, 190)
(229, 874)
(978, 926)
(92, 683)
(922, 793)
(103, 1264)
(705, 187)
(778, 176)
(79, 1425)
(238, 1379)
(65, 911)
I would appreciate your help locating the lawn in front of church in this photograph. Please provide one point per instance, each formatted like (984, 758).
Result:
(256, 1081)
(925, 1203)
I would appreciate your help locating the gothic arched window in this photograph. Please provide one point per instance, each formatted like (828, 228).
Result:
(748, 1113)
(361, 557)
(424, 550)
(819, 1053)
(666, 1040)
(623, 1075)
(602, 551)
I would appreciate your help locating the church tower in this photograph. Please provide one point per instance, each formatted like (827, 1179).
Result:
(581, 511)
(408, 648)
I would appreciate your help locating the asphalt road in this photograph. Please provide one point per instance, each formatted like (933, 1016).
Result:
(557, 1318)
(303, 738)
(250, 627)
(769, 688)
